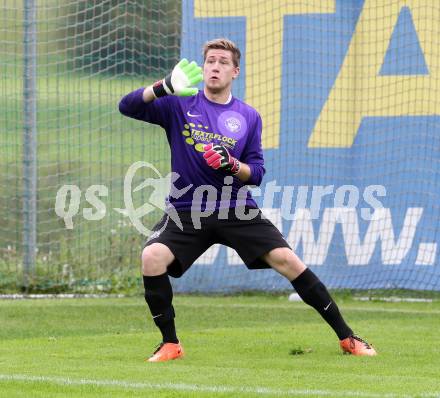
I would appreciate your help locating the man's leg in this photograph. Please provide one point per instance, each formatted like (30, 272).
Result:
(314, 293)
(309, 287)
(159, 295)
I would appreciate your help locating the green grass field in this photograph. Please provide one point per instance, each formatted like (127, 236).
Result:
(237, 346)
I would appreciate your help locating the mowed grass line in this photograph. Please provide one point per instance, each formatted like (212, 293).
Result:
(235, 346)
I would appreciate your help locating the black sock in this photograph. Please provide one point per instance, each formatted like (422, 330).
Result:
(315, 294)
(159, 296)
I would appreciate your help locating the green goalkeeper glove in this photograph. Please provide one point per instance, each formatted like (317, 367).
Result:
(179, 81)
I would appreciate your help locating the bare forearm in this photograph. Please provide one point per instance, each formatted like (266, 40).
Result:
(148, 95)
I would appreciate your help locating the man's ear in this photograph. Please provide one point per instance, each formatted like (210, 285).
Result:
(237, 72)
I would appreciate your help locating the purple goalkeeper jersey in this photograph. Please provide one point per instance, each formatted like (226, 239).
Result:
(190, 124)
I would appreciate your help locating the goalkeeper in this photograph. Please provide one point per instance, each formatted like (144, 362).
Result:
(215, 141)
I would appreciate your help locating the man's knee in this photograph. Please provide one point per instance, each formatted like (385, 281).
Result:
(155, 259)
(285, 261)
(280, 257)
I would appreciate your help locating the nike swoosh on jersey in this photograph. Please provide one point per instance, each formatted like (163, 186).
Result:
(191, 115)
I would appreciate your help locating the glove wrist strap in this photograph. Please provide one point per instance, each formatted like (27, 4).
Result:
(235, 167)
(159, 89)
(163, 87)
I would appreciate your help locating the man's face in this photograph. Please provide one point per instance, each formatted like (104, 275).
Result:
(219, 70)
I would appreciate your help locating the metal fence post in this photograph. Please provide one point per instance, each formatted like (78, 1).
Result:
(29, 140)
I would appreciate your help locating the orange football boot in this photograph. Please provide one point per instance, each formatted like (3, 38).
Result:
(166, 352)
(356, 346)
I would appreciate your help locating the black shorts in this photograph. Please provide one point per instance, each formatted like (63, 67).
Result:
(249, 238)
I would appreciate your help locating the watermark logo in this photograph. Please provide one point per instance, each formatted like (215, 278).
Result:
(68, 199)
(207, 200)
(161, 186)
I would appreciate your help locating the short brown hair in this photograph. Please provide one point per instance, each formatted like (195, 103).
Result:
(223, 44)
